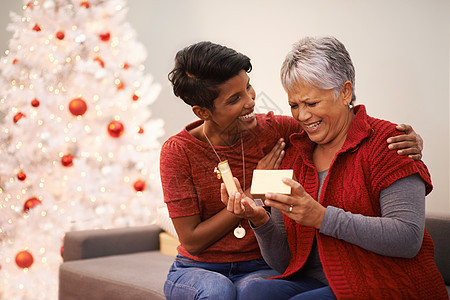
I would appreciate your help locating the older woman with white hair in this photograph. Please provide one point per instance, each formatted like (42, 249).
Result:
(355, 218)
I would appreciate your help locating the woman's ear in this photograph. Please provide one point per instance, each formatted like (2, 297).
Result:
(347, 92)
(201, 112)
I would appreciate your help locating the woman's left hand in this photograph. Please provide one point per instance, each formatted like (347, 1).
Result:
(239, 204)
(410, 144)
(299, 206)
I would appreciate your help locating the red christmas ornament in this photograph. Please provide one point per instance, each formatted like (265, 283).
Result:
(141, 130)
(36, 28)
(105, 36)
(60, 35)
(67, 160)
(139, 185)
(35, 102)
(18, 116)
(62, 251)
(100, 61)
(135, 97)
(15, 61)
(30, 5)
(115, 129)
(125, 66)
(30, 203)
(77, 107)
(21, 176)
(85, 4)
(24, 259)
(120, 85)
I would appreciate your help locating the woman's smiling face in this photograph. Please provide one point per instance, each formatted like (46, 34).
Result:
(322, 116)
(234, 107)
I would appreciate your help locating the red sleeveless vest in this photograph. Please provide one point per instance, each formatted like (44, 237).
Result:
(360, 170)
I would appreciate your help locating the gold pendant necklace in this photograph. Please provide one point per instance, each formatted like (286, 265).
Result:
(239, 232)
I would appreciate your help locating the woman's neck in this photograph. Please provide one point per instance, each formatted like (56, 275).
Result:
(336, 144)
(217, 138)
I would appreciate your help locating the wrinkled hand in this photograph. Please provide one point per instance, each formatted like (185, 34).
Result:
(410, 144)
(273, 159)
(243, 206)
(305, 210)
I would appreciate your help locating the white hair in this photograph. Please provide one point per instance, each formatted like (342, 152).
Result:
(322, 62)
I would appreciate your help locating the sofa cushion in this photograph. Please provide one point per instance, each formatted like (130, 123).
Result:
(438, 226)
(128, 276)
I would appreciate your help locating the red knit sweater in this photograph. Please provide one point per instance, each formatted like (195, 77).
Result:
(360, 170)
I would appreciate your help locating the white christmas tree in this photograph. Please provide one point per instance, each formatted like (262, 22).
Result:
(78, 149)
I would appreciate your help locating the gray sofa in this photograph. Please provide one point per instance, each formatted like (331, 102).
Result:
(126, 263)
(438, 226)
(113, 264)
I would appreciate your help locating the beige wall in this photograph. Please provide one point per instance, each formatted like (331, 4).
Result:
(400, 50)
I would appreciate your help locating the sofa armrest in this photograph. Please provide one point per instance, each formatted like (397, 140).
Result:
(438, 226)
(103, 242)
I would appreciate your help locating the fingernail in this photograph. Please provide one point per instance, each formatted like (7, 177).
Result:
(267, 202)
(268, 195)
(391, 147)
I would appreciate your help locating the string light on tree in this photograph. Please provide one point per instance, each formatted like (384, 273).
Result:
(49, 4)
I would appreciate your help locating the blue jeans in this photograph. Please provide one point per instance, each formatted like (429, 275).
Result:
(298, 289)
(190, 279)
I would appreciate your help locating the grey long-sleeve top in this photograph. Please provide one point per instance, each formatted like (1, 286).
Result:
(398, 232)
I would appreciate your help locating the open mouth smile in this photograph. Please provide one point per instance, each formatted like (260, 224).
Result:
(247, 116)
(312, 126)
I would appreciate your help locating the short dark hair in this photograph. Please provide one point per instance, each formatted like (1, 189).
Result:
(201, 67)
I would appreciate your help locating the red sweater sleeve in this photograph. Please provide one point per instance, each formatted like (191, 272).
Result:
(177, 182)
(386, 166)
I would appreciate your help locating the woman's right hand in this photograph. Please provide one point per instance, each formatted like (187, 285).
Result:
(273, 159)
(243, 206)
